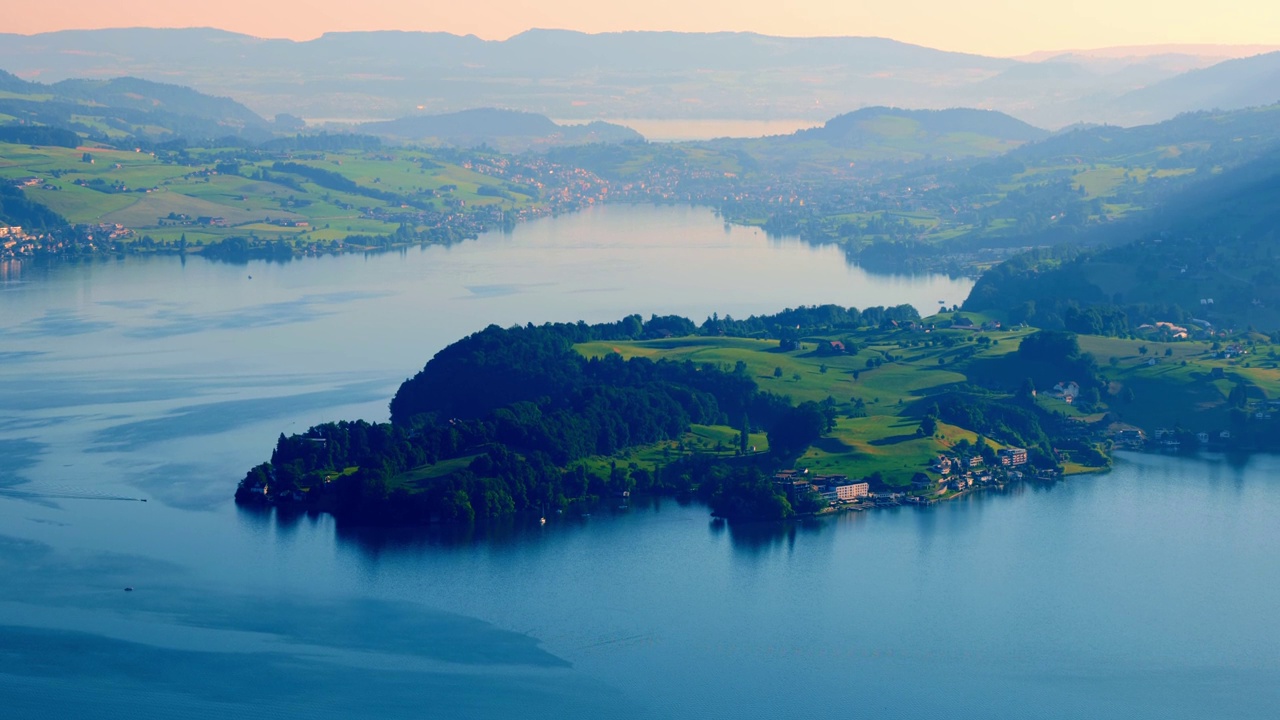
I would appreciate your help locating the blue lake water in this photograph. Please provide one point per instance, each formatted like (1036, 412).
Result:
(1148, 592)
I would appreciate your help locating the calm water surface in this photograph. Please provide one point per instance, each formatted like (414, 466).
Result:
(1149, 592)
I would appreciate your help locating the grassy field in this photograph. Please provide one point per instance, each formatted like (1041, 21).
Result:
(1179, 388)
(885, 440)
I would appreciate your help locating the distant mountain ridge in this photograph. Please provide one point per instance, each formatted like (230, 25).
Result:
(510, 130)
(565, 74)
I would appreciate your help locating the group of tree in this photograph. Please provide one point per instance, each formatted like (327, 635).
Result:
(527, 409)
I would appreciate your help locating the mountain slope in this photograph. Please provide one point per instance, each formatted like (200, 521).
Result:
(120, 109)
(1234, 84)
(1214, 240)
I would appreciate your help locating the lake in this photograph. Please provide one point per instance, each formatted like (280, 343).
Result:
(1148, 592)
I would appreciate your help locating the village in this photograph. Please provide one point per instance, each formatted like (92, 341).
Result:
(950, 475)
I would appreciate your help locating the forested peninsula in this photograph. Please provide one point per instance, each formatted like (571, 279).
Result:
(770, 416)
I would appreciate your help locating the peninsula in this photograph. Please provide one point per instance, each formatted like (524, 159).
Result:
(767, 417)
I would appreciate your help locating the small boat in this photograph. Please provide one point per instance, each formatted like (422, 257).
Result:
(128, 589)
(542, 521)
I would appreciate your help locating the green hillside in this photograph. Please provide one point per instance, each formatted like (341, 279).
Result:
(206, 195)
(1207, 253)
(128, 111)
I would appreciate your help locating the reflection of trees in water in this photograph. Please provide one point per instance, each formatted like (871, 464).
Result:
(756, 538)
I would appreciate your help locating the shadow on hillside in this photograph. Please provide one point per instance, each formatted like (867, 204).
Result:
(832, 445)
(893, 440)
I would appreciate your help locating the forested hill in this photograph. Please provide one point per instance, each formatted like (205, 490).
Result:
(499, 421)
(1208, 252)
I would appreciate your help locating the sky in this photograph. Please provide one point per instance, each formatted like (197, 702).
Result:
(988, 27)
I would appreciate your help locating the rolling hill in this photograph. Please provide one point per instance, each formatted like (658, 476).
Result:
(505, 130)
(128, 109)
(882, 134)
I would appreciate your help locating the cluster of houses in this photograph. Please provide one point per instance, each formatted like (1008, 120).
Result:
(835, 489)
(13, 241)
(959, 472)
(956, 472)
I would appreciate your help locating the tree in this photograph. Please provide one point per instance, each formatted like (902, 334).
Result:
(928, 426)
(777, 372)
(796, 429)
(1142, 350)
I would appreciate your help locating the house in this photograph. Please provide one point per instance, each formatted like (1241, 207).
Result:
(1012, 456)
(852, 491)
(942, 465)
(963, 323)
(1203, 438)
(838, 488)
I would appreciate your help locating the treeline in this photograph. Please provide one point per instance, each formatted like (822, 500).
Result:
(802, 321)
(1048, 288)
(523, 408)
(39, 135)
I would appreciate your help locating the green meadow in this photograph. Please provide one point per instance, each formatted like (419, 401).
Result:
(883, 441)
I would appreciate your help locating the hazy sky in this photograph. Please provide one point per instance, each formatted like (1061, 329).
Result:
(992, 27)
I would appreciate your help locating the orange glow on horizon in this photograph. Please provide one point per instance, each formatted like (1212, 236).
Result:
(989, 27)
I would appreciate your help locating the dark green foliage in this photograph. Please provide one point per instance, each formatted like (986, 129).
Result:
(1214, 239)
(791, 325)
(39, 135)
(795, 430)
(529, 407)
(743, 494)
(1006, 421)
